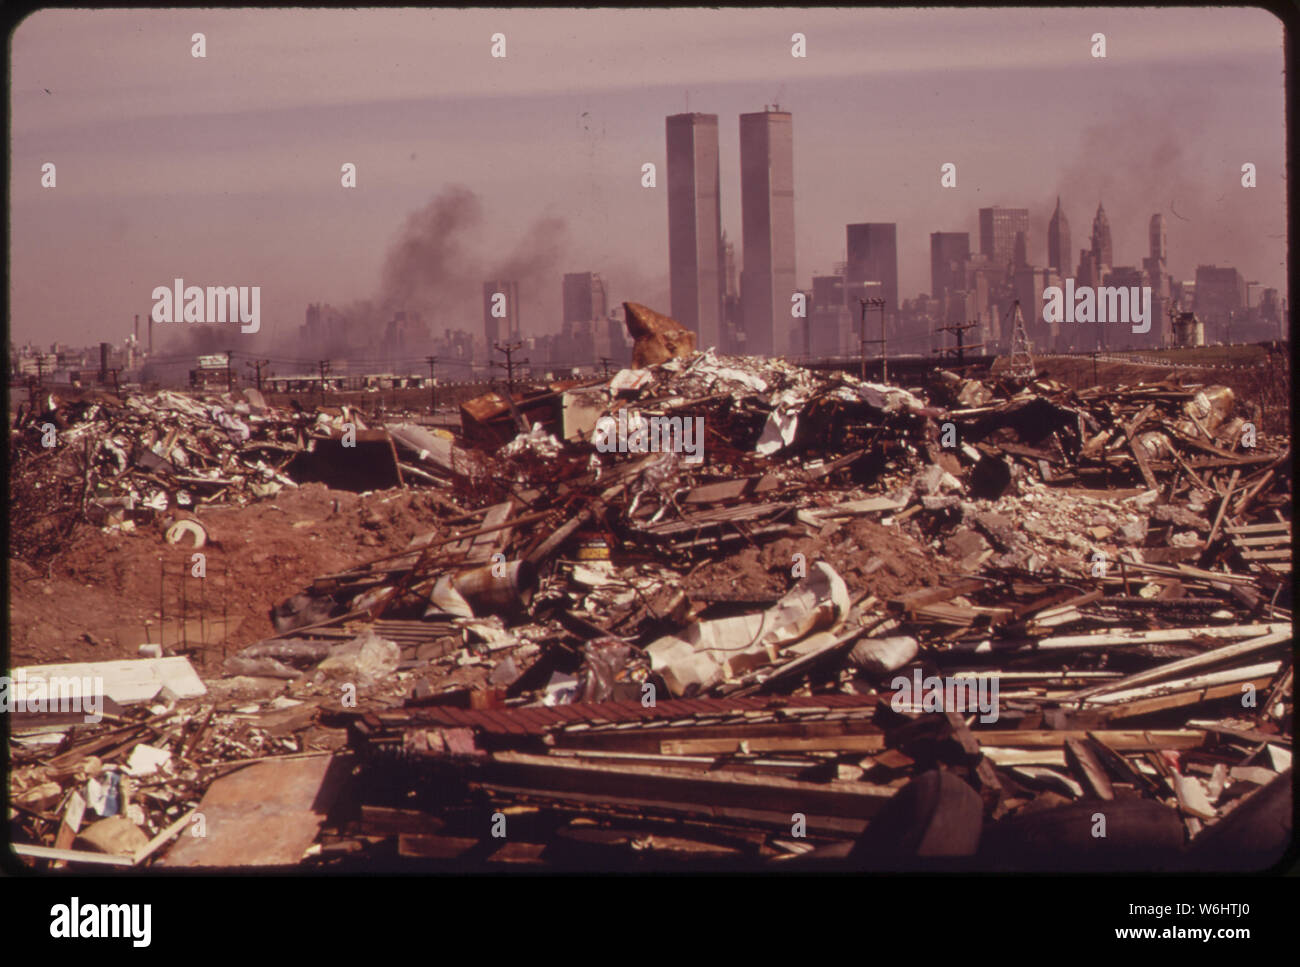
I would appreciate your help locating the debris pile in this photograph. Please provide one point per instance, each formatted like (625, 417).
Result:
(720, 611)
(160, 458)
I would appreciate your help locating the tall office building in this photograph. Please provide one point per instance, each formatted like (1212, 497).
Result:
(1101, 246)
(873, 257)
(1219, 298)
(1159, 242)
(767, 229)
(584, 297)
(695, 254)
(948, 254)
(733, 335)
(998, 229)
(731, 285)
(1156, 268)
(1058, 241)
(500, 315)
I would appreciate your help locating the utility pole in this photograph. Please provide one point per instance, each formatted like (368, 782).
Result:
(884, 365)
(230, 373)
(960, 333)
(433, 384)
(509, 365)
(257, 364)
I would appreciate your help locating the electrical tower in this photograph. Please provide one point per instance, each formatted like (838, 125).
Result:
(862, 347)
(1021, 365)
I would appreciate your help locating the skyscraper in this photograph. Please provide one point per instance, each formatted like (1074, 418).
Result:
(695, 225)
(1058, 241)
(1101, 247)
(584, 297)
(500, 312)
(1220, 295)
(1159, 243)
(1156, 268)
(873, 257)
(767, 229)
(948, 254)
(998, 228)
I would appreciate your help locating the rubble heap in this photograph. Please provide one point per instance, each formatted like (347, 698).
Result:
(852, 623)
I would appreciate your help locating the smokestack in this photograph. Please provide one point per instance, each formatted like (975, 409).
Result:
(103, 362)
(151, 338)
(137, 328)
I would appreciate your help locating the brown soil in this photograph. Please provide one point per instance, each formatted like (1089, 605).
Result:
(106, 586)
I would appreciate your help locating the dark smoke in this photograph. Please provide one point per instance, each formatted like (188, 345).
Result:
(429, 267)
(1143, 159)
(435, 266)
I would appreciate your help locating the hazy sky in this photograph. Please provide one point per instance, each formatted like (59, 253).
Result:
(225, 170)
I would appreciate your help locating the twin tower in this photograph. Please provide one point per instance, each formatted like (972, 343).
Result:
(696, 253)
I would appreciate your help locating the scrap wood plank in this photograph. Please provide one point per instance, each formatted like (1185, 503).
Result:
(544, 550)
(1054, 603)
(656, 739)
(1138, 421)
(1168, 669)
(825, 743)
(990, 785)
(383, 821)
(494, 533)
(1223, 508)
(434, 846)
(1080, 755)
(1129, 739)
(723, 490)
(71, 855)
(1266, 541)
(927, 596)
(857, 508)
(818, 823)
(1144, 468)
(1180, 699)
(164, 836)
(1244, 735)
(70, 825)
(1157, 636)
(1251, 492)
(1024, 757)
(1284, 525)
(1120, 766)
(549, 776)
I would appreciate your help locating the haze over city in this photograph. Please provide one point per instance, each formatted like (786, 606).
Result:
(225, 170)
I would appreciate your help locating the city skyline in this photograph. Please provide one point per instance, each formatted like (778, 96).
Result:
(198, 173)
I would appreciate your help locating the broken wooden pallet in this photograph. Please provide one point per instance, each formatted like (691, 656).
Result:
(1265, 547)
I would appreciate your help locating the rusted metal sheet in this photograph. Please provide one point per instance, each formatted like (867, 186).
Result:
(264, 815)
